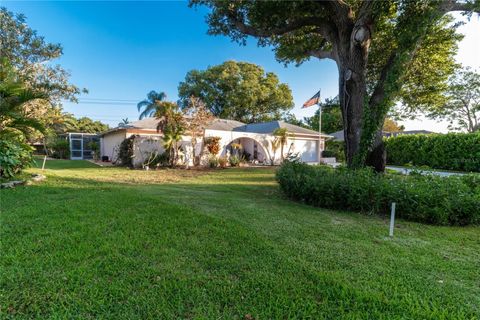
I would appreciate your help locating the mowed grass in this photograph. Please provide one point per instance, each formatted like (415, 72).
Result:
(114, 243)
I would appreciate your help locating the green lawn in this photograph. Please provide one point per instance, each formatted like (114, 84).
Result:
(113, 243)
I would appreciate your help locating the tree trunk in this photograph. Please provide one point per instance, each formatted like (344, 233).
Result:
(352, 89)
(360, 124)
(377, 157)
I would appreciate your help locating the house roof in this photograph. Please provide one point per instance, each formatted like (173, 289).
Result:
(270, 127)
(338, 136)
(225, 125)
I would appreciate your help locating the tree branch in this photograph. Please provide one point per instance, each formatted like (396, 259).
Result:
(321, 54)
(323, 27)
(453, 5)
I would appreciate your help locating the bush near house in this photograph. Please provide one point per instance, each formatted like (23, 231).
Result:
(14, 156)
(334, 149)
(430, 199)
(59, 148)
(452, 151)
(125, 152)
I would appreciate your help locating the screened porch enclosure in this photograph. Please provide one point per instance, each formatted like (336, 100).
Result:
(81, 145)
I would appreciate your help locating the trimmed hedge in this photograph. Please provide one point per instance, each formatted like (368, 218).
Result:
(453, 200)
(452, 151)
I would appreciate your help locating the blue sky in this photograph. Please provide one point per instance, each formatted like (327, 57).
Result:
(122, 50)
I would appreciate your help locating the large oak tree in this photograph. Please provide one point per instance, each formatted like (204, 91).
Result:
(239, 91)
(385, 51)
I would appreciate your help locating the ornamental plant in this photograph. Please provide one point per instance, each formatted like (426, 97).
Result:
(213, 145)
(431, 199)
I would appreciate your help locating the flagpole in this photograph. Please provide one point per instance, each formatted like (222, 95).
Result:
(319, 127)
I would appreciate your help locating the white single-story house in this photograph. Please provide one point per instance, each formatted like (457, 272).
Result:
(256, 140)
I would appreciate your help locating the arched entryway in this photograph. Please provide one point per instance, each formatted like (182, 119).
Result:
(249, 148)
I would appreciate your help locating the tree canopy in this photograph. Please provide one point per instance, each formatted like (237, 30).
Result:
(332, 118)
(385, 51)
(462, 108)
(239, 91)
(32, 56)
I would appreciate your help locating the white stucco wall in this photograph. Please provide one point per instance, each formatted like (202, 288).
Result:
(148, 143)
(110, 143)
(144, 146)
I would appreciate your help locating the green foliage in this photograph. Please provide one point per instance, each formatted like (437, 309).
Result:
(126, 152)
(59, 148)
(239, 91)
(15, 124)
(462, 108)
(15, 155)
(213, 161)
(290, 118)
(155, 159)
(32, 56)
(335, 149)
(406, 49)
(452, 151)
(331, 117)
(172, 124)
(87, 125)
(234, 161)
(223, 161)
(14, 95)
(422, 198)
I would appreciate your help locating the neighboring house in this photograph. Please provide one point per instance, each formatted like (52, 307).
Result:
(256, 140)
(338, 136)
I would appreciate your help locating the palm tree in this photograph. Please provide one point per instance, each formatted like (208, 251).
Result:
(123, 123)
(13, 97)
(170, 143)
(282, 135)
(150, 104)
(171, 123)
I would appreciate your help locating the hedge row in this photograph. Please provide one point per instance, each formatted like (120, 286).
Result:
(453, 151)
(453, 200)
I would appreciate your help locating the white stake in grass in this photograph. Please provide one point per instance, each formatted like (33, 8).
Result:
(44, 160)
(392, 219)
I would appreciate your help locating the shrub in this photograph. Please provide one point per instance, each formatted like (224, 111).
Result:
(125, 152)
(328, 154)
(154, 160)
(453, 200)
(95, 147)
(59, 148)
(14, 157)
(213, 162)
(222, 161)
(453, 151)
(334, 149)
(234, 161)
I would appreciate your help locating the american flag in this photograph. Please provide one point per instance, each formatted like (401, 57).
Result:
(312, 101)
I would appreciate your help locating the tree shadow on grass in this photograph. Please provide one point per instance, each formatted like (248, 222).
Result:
(190, 250)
